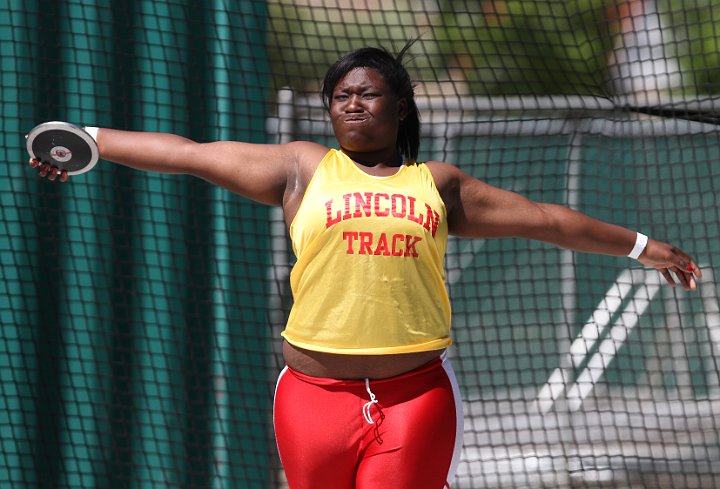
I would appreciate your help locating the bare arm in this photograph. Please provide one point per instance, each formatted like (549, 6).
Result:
(476, 209)
(273, 174)
(262, 172)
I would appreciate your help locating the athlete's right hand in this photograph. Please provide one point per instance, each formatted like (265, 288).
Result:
(45, 170)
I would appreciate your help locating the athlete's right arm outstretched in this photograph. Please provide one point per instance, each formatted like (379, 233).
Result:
(262, 172)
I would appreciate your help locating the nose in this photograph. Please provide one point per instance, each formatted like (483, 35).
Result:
(354, 104)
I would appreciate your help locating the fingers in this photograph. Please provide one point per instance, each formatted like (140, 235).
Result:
(685, 269)
(44, 168)
(684, 277)
(668, 277)
(673, 263)
(51, 172)
(694, 269)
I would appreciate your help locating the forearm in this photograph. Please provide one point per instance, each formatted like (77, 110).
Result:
(149, 151)
(574, 230)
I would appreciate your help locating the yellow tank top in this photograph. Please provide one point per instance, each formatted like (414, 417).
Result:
(369, 277)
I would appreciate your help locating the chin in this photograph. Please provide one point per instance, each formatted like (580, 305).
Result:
(361, 144)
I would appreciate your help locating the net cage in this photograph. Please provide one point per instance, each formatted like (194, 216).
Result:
(141, 312)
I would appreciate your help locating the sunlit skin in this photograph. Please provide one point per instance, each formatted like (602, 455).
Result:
(366, 116)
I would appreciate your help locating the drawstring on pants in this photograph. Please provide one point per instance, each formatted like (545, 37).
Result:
(368, 405)
(367, 414)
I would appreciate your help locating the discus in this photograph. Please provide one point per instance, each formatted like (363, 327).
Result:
(63, 145)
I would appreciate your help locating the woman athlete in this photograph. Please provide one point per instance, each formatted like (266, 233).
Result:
(368, 398)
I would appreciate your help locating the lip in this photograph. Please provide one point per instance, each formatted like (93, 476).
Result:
(355, 120)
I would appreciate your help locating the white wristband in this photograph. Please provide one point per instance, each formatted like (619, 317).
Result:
(92, 131)
(640, 243)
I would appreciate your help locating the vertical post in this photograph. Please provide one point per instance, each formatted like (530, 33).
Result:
(279, 269)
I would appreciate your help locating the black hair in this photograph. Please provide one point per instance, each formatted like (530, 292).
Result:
(394, 73)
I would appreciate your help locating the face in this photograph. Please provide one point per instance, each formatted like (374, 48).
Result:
(365, 113)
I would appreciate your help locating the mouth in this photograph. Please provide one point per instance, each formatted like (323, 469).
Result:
(355, 120)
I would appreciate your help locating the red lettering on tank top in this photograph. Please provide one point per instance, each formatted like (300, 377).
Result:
(330, 219)
(347, 214)
(410, 242)
(399, 206)
(350, 237)
(365, 243)
(382, 246)
(359, 205)
(433, 219)
(385, 211)
(397, 245)
(363, 204)
(411, 213)
(366, 240)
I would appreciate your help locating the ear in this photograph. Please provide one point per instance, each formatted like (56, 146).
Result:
(402, 109)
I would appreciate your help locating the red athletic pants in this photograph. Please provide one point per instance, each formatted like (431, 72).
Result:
(404, 432)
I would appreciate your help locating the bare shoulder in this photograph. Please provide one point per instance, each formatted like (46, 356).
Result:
(447, 179)
(308, 148)
(444, 174)
(308, 156)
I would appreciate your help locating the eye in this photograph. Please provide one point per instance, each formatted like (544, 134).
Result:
(340, 97)
(370, 95)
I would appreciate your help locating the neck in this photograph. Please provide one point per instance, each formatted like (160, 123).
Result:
(390, 159)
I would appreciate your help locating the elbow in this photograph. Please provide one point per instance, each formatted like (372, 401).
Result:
(186, 157)
(549, 223)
